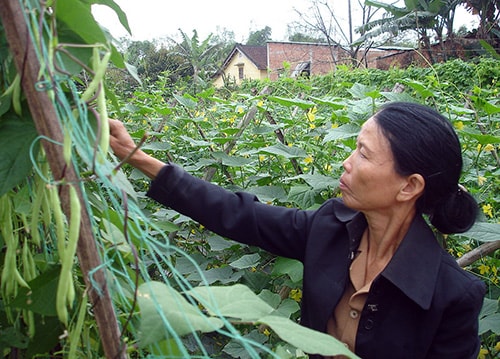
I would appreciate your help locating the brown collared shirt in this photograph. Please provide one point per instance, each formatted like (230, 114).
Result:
(343, 324)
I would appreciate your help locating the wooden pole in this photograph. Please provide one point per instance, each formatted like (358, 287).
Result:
(47, 124)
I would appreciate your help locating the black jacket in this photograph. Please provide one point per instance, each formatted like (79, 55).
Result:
(422, 305)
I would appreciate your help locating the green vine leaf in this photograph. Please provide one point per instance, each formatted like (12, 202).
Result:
(316, 343)
(159, 302)
(16, 137)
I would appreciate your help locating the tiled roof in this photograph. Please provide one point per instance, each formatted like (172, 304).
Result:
(256, 54)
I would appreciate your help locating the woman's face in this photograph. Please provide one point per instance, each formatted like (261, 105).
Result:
(370, 181)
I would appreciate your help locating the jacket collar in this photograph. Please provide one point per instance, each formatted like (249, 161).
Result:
(415, 265)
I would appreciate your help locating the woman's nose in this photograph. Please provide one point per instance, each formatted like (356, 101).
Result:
(347, 163)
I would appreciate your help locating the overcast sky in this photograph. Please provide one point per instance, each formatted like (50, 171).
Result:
(154, 19)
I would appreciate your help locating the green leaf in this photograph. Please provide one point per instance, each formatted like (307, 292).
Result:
(310, 341)
(340, 133)
(302, 195)
(318, 181)
(164, 310)
(77, 16)
(119, 12)
(292, 267)
(247, 348)
(231, 161)
(334, 103)
(40, 297)
(421, 89)
(16, 137)
(285, 151)
(12, 337)
(186, 101)
(484, 232)
(482, 139)
(361, 91)
(167, 348)
(273, 299)
(486, 106)
(195, 143)
(47, 332)
(490, 306)
(246, 261)
(303, 104)
(236, 301)
(268, 193)
(287, 307)
(491, 322)
(490, 49)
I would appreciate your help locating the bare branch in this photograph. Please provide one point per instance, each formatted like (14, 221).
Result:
(478, 253)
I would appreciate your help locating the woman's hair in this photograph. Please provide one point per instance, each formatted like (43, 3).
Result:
(424, 142)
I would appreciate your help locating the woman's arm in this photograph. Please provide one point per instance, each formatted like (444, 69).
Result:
(124, 148)
(239, 216)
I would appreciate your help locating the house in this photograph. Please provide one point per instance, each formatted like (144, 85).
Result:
(295, 59)
(269, 61)
(244, 62)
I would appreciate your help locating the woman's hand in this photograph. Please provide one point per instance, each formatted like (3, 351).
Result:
(123, 147)
(120, 141)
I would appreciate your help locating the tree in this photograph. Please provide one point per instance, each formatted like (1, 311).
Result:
(489, 17)
(301, 37)
(325, 19)
(418, 16)
(259, 37)
(199, 58)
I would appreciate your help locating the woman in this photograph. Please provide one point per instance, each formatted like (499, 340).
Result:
(375, 277)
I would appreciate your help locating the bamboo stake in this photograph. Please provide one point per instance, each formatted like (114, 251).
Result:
(47, 124)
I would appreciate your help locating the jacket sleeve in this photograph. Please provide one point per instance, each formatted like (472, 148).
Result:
(457, 336)
(235, 215)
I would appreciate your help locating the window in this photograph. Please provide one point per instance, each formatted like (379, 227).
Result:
(302, 69)
(241, 73)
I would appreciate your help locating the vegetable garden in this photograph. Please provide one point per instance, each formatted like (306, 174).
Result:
(91, 268)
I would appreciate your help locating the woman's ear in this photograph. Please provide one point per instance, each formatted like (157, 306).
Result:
(412, 188)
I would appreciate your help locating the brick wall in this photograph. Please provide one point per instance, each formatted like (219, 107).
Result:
(319, 57)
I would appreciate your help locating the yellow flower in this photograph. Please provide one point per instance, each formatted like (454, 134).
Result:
(481, 180)
(239, 110)
(260, 103)
(488, 210)
(213, 109)
(459, 125)
(335, 125)
(312, 126)
(262, 158)
(165, 128)
(497, 346)
(479, 146)
(311, 113)
(267, 332)
(296, 295)
(489, 147)
(482, 353)
(308, 160)
(483, 269)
